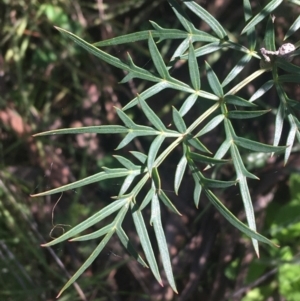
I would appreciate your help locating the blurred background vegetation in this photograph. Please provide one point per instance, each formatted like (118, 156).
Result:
(48, 83)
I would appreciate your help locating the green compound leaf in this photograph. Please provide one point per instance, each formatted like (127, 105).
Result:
(208, 18)
(262, 14)
(213, 81)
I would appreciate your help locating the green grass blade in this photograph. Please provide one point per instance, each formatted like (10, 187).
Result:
(262, 14)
